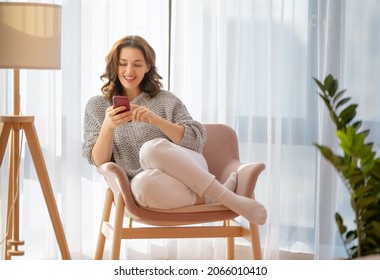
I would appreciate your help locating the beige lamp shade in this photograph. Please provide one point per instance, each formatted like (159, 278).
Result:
(30, 36)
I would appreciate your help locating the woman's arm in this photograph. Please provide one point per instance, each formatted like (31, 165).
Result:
(99, 123)
(174, 132)
(102, 150)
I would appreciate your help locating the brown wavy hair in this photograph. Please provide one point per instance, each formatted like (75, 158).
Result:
(151, 82)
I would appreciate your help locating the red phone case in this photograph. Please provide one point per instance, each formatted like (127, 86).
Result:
(121, 101)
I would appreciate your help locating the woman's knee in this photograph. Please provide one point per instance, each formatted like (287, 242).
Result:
(153, 151)
(143, 188)
(155, 189)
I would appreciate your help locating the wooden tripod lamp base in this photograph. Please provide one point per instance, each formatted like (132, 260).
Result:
(11, 125)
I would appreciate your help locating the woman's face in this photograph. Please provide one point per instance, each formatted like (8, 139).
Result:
(131, 70)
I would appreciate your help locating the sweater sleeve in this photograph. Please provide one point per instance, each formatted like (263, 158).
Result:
(93, 120)
(195, 133)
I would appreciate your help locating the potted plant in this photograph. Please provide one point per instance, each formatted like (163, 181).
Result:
(359, 168)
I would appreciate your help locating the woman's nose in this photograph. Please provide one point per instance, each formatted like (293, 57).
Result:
(128, 69)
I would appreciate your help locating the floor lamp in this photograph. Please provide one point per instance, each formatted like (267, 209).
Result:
(30, 39)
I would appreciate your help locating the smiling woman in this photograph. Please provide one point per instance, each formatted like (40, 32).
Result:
(132, 69)
(135, 61)
(157, 141)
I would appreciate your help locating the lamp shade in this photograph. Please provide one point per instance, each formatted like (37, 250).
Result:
(30, 36)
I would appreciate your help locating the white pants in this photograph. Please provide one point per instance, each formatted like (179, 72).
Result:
(173, 176)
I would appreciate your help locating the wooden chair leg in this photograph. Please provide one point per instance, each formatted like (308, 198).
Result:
(255, 242)
(116, 237)
(105, 218)
(230, 248)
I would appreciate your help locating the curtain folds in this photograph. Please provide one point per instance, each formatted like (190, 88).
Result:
(246, 63)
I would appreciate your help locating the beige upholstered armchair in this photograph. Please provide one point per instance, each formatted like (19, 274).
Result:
(222, 154)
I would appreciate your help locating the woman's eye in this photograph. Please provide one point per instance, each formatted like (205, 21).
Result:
(134, 65)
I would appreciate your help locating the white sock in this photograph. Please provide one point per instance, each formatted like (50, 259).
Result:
(231, 182)
(249, 208)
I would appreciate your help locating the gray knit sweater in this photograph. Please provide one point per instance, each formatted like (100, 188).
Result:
(129, 137)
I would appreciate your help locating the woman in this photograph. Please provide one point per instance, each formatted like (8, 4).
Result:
(157, 142)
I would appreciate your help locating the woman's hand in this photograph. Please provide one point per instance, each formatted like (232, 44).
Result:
(115, 118)
(143, 114)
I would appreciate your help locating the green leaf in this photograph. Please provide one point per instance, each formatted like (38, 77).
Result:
(342, 102)
(367, 166)
(326, 151)
(338, 95)
(375, 172)
(320, 85)
(373, 232)
(365, 202)
(353, 251)
(333, 87)
(349, 113)
(357, 125)
(365, 132)
(328, 81)
(345, 141)
(369, 242)
(329, 78)
(325, 99)
(339, 221)
(366, 215)
(335, 160)
(350, 236)
(355, 179)
(376, 226)
(363, 190)
(358, 140)
(366, 155)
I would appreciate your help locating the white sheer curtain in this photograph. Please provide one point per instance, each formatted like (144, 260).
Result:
(246, 63)
(57, 99)
(250, 63)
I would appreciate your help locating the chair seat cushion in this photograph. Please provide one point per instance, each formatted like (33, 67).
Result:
(195, 214)
(212, 207)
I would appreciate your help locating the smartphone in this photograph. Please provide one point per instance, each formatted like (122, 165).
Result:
(121, 101)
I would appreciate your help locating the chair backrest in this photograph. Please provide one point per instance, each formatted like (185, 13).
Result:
(221, 149)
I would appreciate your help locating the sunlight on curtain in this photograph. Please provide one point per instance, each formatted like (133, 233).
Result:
(57, 99)
(247, 59)
(348, 42)
(249, 64)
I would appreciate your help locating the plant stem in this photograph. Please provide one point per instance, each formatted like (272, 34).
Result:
(358, 226)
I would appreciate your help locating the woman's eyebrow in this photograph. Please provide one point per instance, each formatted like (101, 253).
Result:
(137, 60)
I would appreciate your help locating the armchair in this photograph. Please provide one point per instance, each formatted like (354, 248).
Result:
(222, 154)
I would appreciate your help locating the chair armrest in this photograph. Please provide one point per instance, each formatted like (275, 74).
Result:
(118, 181)
(248, 174)
(247, 178)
